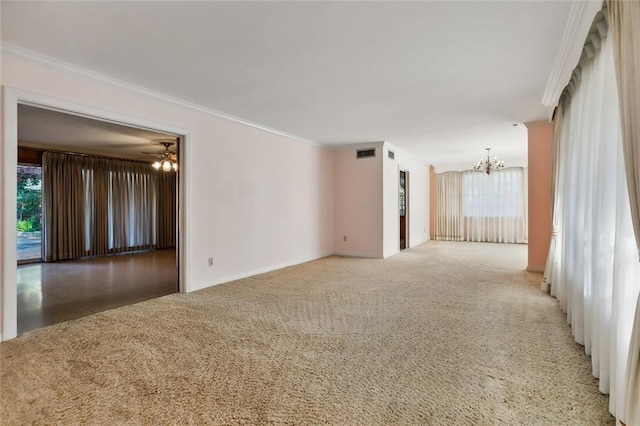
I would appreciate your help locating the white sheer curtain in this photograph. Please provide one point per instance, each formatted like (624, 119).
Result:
(474, 206)
(495, 206)
(624, 17)
(594, 271)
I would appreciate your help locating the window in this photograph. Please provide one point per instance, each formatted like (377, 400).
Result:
(500, 194)
(29, 213)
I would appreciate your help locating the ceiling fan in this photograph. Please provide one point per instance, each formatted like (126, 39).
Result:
(167, 159)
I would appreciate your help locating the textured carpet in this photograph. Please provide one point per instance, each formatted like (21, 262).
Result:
(447, 333)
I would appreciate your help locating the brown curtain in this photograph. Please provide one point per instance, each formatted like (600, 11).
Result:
(96, 184)
(166, 210)
(624, 21)
(62, 207)
(96, 206)
(132, 204)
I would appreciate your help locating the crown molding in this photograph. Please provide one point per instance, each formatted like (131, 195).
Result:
(10, 49)
(575, 31)
(537, 123)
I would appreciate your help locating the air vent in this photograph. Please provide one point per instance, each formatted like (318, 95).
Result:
(392, 155)
(364, 153)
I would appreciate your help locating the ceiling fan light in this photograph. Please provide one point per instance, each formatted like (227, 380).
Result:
(165, 157)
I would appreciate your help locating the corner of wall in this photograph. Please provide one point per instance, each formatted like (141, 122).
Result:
(432, 201)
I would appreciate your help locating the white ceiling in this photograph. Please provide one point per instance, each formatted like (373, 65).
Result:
(39, 127)
(441, 80)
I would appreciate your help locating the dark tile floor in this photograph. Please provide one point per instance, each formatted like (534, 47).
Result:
(49, 293)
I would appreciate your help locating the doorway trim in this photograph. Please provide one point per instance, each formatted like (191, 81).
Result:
(12, 97)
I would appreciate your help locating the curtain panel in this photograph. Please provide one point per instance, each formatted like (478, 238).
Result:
(593, 266)
(449, 224)
(474, 206)
(132, 209)
(62, 207)
(624, 19)
(551, 266)
(166, 208)
(95, 183)
(96, 206)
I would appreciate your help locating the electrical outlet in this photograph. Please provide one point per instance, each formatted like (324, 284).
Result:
(211, 261)
(344, 238)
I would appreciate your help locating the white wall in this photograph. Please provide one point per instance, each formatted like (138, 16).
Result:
(391, 208)
(417, 202)
(366, 201)
(4, 241)
(418, 198)
(255, 200)
(357, 189)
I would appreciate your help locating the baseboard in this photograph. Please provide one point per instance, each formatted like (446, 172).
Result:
(388, 255)
(537, 269)
(356, 254)
(416, 244)
(255, 272)
(286, 265)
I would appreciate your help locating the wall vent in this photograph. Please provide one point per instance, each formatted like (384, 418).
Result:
(392, 155)
(365, 153)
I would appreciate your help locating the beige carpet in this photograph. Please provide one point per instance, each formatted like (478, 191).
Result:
(447, 333)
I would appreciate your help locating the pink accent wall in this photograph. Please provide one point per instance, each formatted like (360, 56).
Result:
(539, 152)
(357, 202)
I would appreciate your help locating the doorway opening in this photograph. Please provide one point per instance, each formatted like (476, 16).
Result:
(96, 222)
(403, 192)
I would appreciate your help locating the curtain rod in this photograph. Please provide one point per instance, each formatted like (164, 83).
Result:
(81, 154)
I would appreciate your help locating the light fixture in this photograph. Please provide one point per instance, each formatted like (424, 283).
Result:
(166, 162)
(487, 165)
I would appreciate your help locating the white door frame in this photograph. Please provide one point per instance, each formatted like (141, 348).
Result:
(9, 149)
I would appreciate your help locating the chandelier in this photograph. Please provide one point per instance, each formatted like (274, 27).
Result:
(487, 165)
(166, 161)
